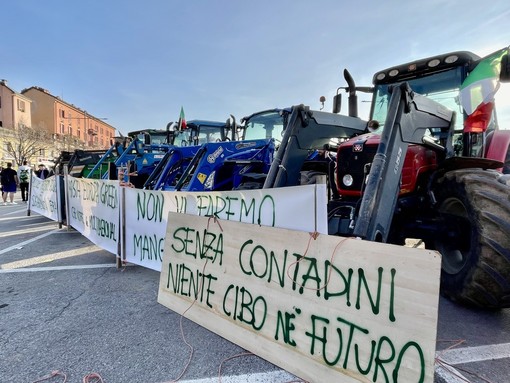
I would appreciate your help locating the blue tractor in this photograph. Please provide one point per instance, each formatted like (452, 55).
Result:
(187, 143)
(225, 165)
(240, 161)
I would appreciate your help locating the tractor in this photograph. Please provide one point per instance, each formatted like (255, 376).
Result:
(225, 163)
(187, 142)
(79, 162)
(430, 165)
(144, 150)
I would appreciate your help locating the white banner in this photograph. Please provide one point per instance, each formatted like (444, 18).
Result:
(93, 209)
(146, 214)
(43, 197)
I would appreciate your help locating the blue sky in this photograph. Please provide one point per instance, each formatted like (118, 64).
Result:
(137, 62)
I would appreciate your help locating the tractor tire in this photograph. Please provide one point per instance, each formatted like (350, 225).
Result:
(474, 207)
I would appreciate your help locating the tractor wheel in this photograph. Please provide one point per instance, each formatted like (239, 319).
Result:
(474, 240)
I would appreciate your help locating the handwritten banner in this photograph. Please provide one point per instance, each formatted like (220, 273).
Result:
(44, 197)
(329, 309)
(94, 207)
(299, 208)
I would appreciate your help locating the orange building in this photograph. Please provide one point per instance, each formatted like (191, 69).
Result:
(70, 125)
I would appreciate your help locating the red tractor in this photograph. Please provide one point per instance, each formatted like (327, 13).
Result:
(430, 164)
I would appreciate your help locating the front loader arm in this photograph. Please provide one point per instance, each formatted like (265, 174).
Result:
(306, 131)
(410, 119)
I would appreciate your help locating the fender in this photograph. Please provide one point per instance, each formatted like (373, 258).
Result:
(498, 146)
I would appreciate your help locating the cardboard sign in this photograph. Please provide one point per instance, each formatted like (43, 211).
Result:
(327, 309)
(146, 213)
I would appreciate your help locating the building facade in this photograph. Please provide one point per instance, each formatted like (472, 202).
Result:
(71, 126)
(58, 125)
(15, 113)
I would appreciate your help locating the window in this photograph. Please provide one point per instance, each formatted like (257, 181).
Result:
(70, 128)
(441, 87)
(78, 132)
(62, 128)
(21, 105)
(0, 102)
(41, 152)
(265, 125)
(62, 113)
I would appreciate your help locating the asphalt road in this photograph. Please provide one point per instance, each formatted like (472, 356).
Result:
(66, 307)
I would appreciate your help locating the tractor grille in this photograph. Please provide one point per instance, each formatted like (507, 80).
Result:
(353, 163)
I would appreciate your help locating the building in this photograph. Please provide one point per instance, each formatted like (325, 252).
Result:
(70, 126)
(15, 113)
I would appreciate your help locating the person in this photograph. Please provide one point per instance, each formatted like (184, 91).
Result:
(24, 178)
(9, 181)
(42, 172)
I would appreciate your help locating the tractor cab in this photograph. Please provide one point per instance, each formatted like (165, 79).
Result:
(265, 124)
(198, 132)
(460, 81)
(151, 136)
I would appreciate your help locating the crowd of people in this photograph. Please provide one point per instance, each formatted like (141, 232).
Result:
(11, 179)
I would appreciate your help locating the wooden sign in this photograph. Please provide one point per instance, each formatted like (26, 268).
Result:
(325, 308)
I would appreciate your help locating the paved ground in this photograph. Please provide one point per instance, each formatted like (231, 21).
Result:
(64, 306)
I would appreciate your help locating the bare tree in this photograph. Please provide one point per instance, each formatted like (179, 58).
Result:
(26, 142)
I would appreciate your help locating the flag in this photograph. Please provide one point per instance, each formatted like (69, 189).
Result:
(181, 125)
(478, 90)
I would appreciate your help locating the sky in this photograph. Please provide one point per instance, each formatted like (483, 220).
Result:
(137, 62)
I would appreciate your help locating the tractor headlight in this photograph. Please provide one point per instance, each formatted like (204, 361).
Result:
(209, 182)
(347, 180)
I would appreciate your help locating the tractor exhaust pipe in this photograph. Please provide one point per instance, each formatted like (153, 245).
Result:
(353, 98)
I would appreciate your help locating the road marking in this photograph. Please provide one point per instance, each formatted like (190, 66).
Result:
(475, 354)
(26, 230)
(14, 212)
(57, 268)
(38, 260)
(262, 377)
(448, 374)
(27, 242)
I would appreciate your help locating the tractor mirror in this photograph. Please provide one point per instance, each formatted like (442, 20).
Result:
(337, 103)
(504, 75)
